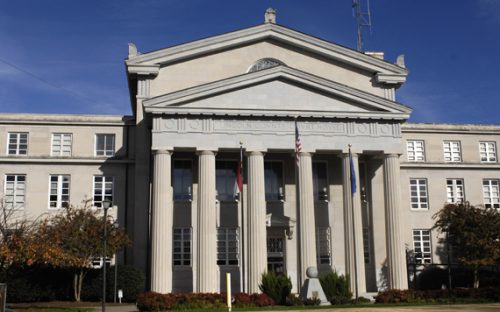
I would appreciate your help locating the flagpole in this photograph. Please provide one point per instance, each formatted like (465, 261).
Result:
(243, 286)
(353, 186)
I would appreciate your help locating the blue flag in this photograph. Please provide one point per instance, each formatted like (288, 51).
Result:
(353, 173)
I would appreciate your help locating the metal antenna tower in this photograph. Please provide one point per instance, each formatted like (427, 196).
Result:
(361, 11)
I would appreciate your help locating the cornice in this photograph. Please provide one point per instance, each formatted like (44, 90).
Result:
(56, 119)
(262, 32)
(172, 102)
(55, 161)
(450, 128)
(428, 165)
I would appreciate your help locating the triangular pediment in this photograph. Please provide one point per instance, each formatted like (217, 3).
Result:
(151, 62)
(277, 91)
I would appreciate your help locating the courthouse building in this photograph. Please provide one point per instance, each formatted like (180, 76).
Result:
(170, 168)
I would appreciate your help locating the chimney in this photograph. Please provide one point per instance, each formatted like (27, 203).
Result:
(270, 16)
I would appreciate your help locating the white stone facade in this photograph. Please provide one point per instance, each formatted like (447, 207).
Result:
(172, 165)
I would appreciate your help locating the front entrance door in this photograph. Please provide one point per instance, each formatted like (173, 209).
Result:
(275, 254)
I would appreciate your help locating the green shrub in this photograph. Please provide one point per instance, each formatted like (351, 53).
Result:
(336, 287)
(458, 295)
(293, 300)
(129, 279)
(276, 286)
(151, 301)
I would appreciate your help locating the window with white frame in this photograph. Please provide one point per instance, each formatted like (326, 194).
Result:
(227, 246)
(59, 191)
(452, 151)
(415, 150)
(17, 143)
(491, 193)
(455, 190)
(323, 250)
(61, 144)
(487, 151)
(15, 191)
(418, 194)
(103, 190)
(104, 144)
(182, 246)
(422, 246)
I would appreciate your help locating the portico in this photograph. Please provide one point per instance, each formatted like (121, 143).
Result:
(290, 215)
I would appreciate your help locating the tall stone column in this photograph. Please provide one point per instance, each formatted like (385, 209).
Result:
(307, 226)
(161, 224)
(257, 232)
(395, 247)
(206, 269)
(353, 231)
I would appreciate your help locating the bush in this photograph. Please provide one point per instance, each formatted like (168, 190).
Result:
(293, 300)
(242, 300)
(439, 296)
(336, 287)
(276, 286)
(152, 301)
(432, 278)
(129, 279)
(37, 283)
(262, 300)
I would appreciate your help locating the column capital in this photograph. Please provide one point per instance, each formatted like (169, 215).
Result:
(205, 152)
(255, 153)
(306, 153)
(392, 155)
(161, 151)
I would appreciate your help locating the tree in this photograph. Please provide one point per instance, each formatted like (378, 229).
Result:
(78, 233)
(21, 242)
(473, 234)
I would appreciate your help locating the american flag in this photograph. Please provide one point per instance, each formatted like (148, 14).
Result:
(298, 145)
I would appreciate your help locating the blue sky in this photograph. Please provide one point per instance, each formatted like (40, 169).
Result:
(61, 56)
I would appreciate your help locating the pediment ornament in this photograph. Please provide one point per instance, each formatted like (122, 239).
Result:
(265, 63)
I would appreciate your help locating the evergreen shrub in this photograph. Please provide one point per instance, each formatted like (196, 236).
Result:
(276, 286)
(336, 287)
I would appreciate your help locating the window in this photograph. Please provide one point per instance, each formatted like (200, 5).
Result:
(182, 246)
(226, 180)
(452, 151)
(182, 179)
(422, 246)
(366, 244)
(59, 191)
(61, 144)
(320, 182)
(418, 194)
(415, 150)
(455, 190)
(491, 193)
(487, 151)
(105, 145)
(227, 246)
(273, 180)
(15, 190)
(18, 143)
(103, 189)
(323, 251)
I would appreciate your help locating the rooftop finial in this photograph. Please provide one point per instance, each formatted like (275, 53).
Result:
(270, 16)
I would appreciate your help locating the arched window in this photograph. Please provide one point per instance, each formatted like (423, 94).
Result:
(264, 64)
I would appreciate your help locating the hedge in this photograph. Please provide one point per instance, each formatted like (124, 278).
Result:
(489, 294)
(44, 283)
(152, 301)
